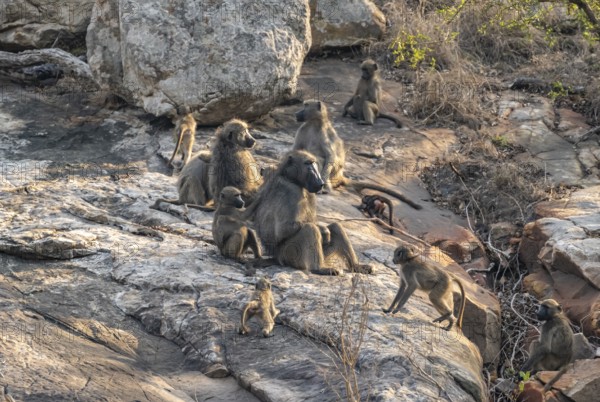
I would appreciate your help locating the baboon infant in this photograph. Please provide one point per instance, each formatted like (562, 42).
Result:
(418, 272)
(366, 103)
(262, 305)
(554, 348)
(184, 142)
(230, 232)
(232, 164)
(374, 206)
(285, 218)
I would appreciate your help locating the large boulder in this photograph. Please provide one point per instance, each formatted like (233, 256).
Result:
(222, 59)
(345, 23)
(35, 24)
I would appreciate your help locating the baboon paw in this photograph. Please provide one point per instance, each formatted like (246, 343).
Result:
(385, 310)
(268, 334)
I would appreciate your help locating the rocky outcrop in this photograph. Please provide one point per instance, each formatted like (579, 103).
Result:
(344, 23)
(222, 59)
(562, 253)
(35, 24)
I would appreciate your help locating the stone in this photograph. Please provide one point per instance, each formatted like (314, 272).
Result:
(159, 57)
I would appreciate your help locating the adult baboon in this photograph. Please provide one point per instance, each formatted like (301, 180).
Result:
(554, 348)
(366, 102)
(374, 206)
(419, 272)
(232, 164)
(184, 142)
(285, 218)
(317, 136)
(192, 184)
(230, 232)
(263, 305)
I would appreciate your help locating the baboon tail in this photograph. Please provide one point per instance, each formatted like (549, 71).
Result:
(396, 120)
(243, 328)
(359, 185)
(463, 302)
(178, 145)
(555, 378)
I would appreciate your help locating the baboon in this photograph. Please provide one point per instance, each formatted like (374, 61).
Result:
(232, 164)
(230, 232)
(419, 272)
(185, 140)
(374, 206)
(554, 348)
(192, 184)
(366, 102)
(262, 304)
(284, 215)
(317, 136)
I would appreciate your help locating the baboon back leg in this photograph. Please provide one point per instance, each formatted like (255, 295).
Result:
(234, 246)
(249, 311)
(410, 289)
(304, 251)
(369, 111)
(441, 298)
(340, 246)
(252, 242)
(399, 294)
(268, 323)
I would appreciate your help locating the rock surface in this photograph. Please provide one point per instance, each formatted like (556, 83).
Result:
(344, 23)
(155, 55)
(35, 24)
(80, 189)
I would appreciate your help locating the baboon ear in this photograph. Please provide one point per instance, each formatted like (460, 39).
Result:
(230, 136)
(319, 105)
(559, 307)
(375, 66)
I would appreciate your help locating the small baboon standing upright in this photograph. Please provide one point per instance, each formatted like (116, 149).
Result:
(184, 142)
(262, 305)
(230, 232)
(365, 105)
(232, 164)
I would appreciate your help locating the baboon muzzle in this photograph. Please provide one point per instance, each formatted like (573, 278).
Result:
(250, 142)
(239, 203)
(300, 116)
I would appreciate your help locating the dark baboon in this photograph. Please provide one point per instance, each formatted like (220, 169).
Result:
(261, 304)
(192, 184)
(366, 102)
(232, 164)
(554, 348)
(230, 232)
(184, 142)
(318, 137)
(285, 218)
(374, 206)
(418, 272)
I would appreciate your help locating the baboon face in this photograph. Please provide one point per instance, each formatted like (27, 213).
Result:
(236, 132)
(301, 167)
(263, 284)
(232, 196)
(403, 254)
(313, 110)
(189, 119)
(368, 68)
(548, 309)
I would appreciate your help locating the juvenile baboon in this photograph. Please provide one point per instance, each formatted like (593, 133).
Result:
(285, 218)
(317, 136)
(263, 305)
(374, 206)
(230, 232)
(232, 164)
(419, 272)
(366, 102)
(185, 140)
(554, 348)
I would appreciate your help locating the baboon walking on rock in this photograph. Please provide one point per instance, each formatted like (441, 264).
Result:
(285, 218)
